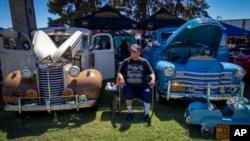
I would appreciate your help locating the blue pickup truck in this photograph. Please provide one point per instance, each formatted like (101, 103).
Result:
(191, 64)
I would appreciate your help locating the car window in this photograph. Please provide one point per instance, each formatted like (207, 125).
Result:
(20, 43)
(102, 42)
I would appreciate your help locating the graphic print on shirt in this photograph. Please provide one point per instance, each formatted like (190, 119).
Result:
(134, 73)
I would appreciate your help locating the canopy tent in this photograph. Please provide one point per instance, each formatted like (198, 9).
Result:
(160, 19)
(235, 31)
(106, 18)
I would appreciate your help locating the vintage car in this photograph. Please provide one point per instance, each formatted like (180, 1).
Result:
(243, 61)
(61, 69)
(240, 55)
(193, 65)
(206, 114)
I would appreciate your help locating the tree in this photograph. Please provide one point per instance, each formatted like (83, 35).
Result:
(137, 10)
(68, 10)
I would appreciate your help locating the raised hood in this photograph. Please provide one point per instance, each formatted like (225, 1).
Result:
(204, 31)
(44, 46)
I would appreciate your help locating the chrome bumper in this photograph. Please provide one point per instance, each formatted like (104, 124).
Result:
(208, 96)
(49, 107)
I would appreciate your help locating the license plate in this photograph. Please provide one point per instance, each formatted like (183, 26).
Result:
(10, 99)
(177, 86)
(222, 131)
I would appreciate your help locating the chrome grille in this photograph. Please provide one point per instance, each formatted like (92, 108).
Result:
(200, 80)
(51, 82)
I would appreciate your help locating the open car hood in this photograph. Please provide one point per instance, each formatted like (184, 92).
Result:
(205, 31)
(44, 46)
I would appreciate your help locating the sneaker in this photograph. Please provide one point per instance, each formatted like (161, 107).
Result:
(147, 119)
(129, 116)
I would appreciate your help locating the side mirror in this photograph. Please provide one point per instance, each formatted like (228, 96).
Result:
(97, 47)
(26, 45)
(91, 47)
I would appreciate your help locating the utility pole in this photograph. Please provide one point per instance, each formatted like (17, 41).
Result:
(23, 15)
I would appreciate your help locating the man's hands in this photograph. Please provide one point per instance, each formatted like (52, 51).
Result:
(152, 82)
(120, 80)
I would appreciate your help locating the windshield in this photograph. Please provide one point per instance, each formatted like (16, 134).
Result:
(59, 39)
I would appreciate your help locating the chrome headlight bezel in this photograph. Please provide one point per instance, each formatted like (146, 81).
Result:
(26, 72)
(240, 73)
(82, 98)
(169, 71)
(74, 71)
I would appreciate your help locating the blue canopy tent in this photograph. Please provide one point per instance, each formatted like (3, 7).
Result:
(235, 31)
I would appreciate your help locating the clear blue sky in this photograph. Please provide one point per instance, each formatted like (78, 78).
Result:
(227, 9)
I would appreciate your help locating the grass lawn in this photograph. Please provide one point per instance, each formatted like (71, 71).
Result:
(168, 123)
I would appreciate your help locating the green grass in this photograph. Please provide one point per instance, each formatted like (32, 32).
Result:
(168, 123)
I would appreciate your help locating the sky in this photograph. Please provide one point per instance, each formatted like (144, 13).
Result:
(226, 9)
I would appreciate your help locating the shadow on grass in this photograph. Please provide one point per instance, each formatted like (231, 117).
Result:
(120, 122)
(27, 124)
(37, 123)
(17, 125)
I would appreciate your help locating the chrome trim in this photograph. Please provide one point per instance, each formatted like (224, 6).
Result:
(51, 82)
(48, 106)
(206, 96)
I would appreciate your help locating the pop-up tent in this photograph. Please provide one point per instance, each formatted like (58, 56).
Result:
(106, 18)
(235, 31)
(161, 19)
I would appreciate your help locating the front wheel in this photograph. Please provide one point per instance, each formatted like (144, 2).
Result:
(207, 130)
(159, 99)
(114, 105)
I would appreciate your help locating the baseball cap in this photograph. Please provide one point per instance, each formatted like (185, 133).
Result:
(135, 47)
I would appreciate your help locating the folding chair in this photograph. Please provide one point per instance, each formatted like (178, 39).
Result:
(117, 100)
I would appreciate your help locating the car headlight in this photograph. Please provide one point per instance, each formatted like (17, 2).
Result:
(82, 98)
(240, 73)
(26, 73)
(233, 89)
(168, 71)
(74, 71)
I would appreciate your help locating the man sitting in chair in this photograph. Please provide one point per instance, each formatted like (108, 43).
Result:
(133, 74)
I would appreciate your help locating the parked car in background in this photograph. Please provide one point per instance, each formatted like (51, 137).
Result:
(190, 64)
(243, 61)
(239, 49)
(240, 55)
(61, 69)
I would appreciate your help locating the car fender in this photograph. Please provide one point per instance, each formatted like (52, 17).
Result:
(88, 82)
(13, 82)
(160, 66)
